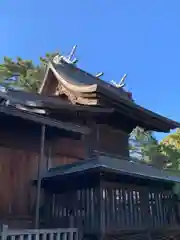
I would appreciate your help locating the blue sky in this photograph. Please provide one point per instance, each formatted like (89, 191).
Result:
(138, 37)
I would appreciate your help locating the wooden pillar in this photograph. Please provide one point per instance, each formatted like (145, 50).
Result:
(91, 140)
(49, 154)
(40, 165)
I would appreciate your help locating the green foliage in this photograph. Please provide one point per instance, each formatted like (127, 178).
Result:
(171, 147)
(145, 148)
(48, 57)
(28, 75)
(142, 144)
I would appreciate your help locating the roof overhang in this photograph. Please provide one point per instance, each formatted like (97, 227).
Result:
(43, 120)
(115, 99)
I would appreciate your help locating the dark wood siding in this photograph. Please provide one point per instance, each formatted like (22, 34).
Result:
(113, 141)
(17, 170)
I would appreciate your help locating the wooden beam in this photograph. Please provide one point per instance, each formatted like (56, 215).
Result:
(78, 108)
(39, 177)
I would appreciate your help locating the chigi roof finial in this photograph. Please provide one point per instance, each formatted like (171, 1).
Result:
(71, 54)
(69, 59)
(100, 74)
(121, 83)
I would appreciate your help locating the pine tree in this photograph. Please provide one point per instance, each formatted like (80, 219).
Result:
(23, 74)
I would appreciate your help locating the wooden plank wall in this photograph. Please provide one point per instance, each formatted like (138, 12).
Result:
(17, 167)
(64, 151)
(17, 170)
(113, 141)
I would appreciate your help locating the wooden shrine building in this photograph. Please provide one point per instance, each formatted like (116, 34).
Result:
(87, 178)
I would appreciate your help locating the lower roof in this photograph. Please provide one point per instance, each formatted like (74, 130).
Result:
(9, 105)
(126, 110)
(109, 164)
(44, 120)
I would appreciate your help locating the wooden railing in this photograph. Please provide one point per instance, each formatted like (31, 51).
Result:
(39, 234)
